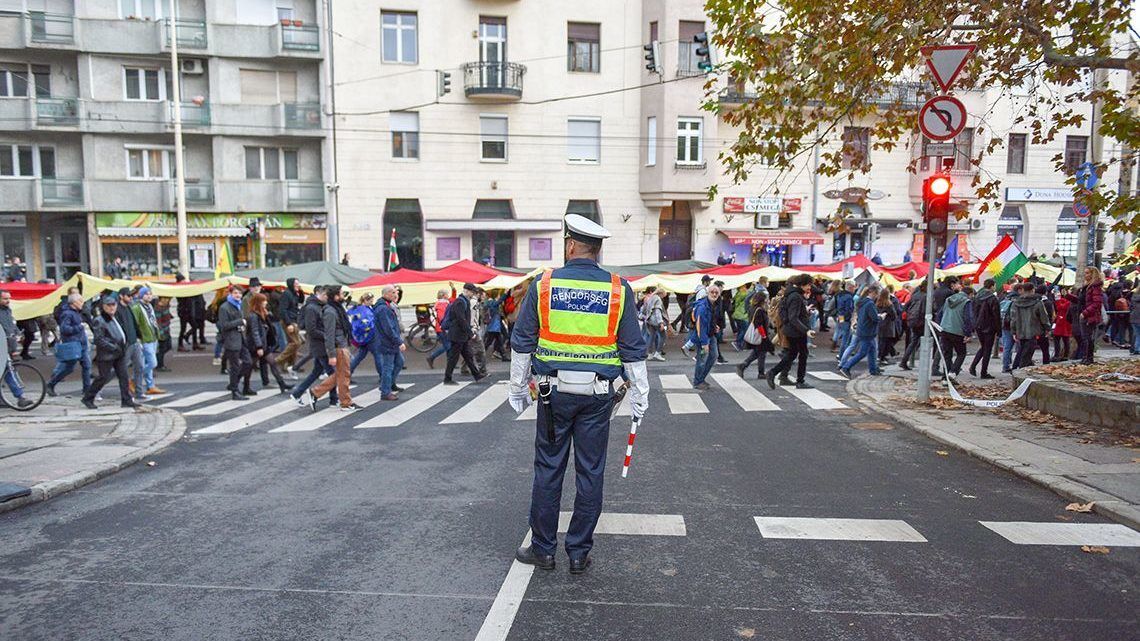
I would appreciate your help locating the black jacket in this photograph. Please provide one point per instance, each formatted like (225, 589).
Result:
(337, 328)
(110, 345)
(127, 322)
(288, 306)
(314, 329)
(987, 313)
(229, 324)
(257, 334)
(916, 311)
(794, 314)
(459, 320)
(941, 293)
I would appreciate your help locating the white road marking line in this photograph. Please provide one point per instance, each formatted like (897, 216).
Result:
(779, 527)
(243, 421)
(530, 413)
(499, 619)
(675, 381)
(187, 401)
(313, 421)
(815, 399)
(1028, 533)
(480, 408)
(221, 407)
(686, 404)
(827, 376)
(158, 397)
(633, 524)
(413, 407)
(747, 397)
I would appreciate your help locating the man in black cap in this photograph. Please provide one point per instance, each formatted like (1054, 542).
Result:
(110, 353)
(254, 288)
(457, 327)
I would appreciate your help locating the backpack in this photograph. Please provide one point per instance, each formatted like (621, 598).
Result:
(1004, 307)
(363, 323)
(212, 313)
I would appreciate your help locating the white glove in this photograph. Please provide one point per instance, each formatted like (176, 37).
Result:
(518, 389)
(638, 388)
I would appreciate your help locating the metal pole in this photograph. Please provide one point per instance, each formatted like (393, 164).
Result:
(1096, 153)
(334, 204)
(925, 345)
(179, 166)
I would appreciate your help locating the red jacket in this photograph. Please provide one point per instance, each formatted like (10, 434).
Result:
(1061, 325)
(1094, 303)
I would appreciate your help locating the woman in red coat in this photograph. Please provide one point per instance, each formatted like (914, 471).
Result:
(1062, 328)
(1091, 314)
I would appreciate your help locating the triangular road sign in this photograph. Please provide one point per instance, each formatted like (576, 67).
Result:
(947, 61)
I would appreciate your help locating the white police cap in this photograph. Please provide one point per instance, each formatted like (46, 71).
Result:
(581, 228)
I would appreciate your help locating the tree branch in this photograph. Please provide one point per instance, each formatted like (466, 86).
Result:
(1051, 57)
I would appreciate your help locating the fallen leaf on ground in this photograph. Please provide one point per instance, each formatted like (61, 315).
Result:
(151, 463)
(942, 453)
(746, 633)
(1080, 507)
(1094, 549)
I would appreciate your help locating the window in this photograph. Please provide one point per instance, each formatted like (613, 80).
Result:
(964, 149)
(492, 210)
(148, 163)
(13, 81)
(493, 137)
(584, 140)
(144, 84)
(653, 31)
(687, 58)
(689, 147)
(18, 161)
(267, 163)
(856, 147)
(398, 33)
(141, 9)
(1076, 148)
(1011, 223)
(1067, 233)
(47, 161)
(1015, 154)
(583, 47)
(405, 127)
(285, 9)
(651, 141)
(587, 208)
(260, 87)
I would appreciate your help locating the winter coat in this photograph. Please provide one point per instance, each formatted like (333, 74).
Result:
(1061, 324)
(288, 306)
(1134, 315)
(794, 315)
(441, 306)
(888, 327)
(953, 319)
(1092, 313)
(11, 332)
(494, 307)
(71, 326)
(941, 293)
(844, 306)
(314, 328)
(1028, 318)
(257, 334)
(702, 322)
(987, 312)
(458, 328)
(110, 340)
(388, 339)
(229, 324)
(126, 318)
(145, 322)
(740, 305)
(916, 311)
(866, 319)
(337, 328)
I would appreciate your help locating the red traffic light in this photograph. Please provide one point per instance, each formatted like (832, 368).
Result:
(939, 185)
(936, 203)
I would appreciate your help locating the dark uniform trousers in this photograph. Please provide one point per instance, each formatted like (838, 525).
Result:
(585, 420)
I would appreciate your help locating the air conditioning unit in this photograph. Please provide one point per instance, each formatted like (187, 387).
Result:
(767, 220)
(192, 66)
(977, 224)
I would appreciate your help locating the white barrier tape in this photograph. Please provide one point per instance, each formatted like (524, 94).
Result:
(1017, 393)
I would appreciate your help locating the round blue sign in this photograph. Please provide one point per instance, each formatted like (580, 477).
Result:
(1086, 176)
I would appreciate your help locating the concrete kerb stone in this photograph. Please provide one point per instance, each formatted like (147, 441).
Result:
(1078, 403)
(865, 389)
(167, 425)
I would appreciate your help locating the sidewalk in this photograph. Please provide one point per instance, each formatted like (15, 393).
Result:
(1069, 464)
(61, 445)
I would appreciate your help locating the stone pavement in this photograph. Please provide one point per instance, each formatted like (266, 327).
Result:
(1108, 475)
(61, 445)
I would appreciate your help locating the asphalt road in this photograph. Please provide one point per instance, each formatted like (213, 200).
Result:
(407, 532)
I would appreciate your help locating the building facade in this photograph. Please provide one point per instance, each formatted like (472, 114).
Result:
(86, 133)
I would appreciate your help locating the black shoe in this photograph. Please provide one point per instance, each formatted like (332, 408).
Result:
(526, 555)
(162, 369)
(903, 365)
(89, 404)
(771, 377)
(973, 371)
(50, 389)
(985, 376)
(396, 388)
(762, 375)
(431, 362)
(578, 566)
(237, 396)
(23, 402)
(448, 381)
(132, 405)
(803, 385)
(784, 380)
(740, 370)
(284, 387)
(248, 392)
(721, 361)
(480, 377)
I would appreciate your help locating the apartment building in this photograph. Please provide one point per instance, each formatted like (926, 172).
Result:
(86, 133)
(551, 110)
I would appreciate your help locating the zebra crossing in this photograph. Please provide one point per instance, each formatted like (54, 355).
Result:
(215, 414)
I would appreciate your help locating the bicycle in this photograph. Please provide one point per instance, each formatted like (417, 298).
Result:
(421, 336)
(32, 382)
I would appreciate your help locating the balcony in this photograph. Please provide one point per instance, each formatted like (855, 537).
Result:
(907, 95)
(130, 195)
(57, 112)
(304, 194)
(198, 194)
(269, 195)
(493, 80)
(302, 115)
(60, 193)
(194, 115)
(50, 29)
(300, 38)
(191, 34)
(18, 195)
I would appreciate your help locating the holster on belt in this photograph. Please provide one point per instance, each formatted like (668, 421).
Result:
(546, 412)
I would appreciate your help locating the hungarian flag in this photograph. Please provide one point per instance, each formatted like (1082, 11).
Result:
(393, 255)
(1002, 263)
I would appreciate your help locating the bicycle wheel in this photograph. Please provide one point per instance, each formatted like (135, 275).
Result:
(422, 338)
(35, 387)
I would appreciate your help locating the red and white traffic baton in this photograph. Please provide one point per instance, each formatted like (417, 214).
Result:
(629, 446)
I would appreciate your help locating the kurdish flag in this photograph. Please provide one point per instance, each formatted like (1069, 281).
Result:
(225, 266)
(1002, 263)
(393, 255)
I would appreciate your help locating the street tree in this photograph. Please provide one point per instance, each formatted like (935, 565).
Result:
(812, 66)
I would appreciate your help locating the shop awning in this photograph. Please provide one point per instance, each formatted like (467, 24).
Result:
(197, 232)
(774, 237)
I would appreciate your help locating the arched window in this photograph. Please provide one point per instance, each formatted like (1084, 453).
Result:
(1066, 239)
(404, 216)
(494, 247)
(1012, 223)
(587, 208)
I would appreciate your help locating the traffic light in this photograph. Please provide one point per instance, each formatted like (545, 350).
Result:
(704, 59)
(653, 56)
(444, 83)
(936, 204)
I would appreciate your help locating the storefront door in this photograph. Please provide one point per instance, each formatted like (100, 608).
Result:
(675, 232)
(65, 253)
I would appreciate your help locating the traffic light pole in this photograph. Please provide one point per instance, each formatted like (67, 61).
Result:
(925, 347)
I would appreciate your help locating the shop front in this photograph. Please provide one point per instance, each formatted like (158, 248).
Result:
(772, 247)
(49, 246)
(147, 243)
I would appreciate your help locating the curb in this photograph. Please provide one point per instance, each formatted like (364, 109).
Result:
(175, 427)
(1106, 504)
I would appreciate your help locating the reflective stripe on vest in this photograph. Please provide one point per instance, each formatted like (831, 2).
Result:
(578, 319)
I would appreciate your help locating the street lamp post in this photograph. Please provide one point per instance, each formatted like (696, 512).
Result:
(179, 166)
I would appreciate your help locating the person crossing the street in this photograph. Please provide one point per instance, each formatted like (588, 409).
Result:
(794, 325)
(315, 335)
(110, 354)
(577, 332)
(231, 335)
(337, 329)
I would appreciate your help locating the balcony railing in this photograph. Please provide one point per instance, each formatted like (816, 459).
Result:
(302, 115)
(304, 194)
(197, 193)
(191, 33)
(193, 114)
(57, 111)
(493, 79)
(56, 193)
(51, 28)
(301, 38)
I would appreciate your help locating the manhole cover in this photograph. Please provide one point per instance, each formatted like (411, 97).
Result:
(873, 426)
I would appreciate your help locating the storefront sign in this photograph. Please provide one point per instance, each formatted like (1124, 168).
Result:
(752, 205)
(854, 194)
(793, 205)
(733, 205)
(295, 236)
(1038, 194)
(166, 220)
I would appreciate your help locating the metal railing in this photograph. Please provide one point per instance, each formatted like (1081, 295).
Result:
(57, 111)
(193, 114)
(300, 38)
(197, 193)
(191, 33)
(51, 28)
(55, 192)
(302, 115)
(304, 194)
(494, 78)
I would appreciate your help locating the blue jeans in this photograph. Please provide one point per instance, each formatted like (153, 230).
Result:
(1136, 338)
(705, 366)
(864, 346)
(1006, 349)
(218, 346)
(13, 382)
(144, 376)
(842, 334)
(63, 369)
(656, 339)
(387, 365)
(441, 349)
(740, 333)
(320, 366)
(358, 358)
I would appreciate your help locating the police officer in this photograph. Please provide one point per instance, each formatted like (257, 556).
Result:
(576, 332)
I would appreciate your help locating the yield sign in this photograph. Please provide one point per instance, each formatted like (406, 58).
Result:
(947, 61)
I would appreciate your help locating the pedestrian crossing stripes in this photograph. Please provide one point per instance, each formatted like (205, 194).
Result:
(827, 376)
(686, 404)
(747, 397)
(529, 414)
(412, 407)
(815, 399)
(243, 421)
(313, 422)
(480, 408)
(194, 399)
(1026, 533)
(829, 529)
(219, 408)
(675, 381)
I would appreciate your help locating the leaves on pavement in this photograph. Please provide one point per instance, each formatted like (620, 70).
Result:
(1081, 507)
(1094, 549)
